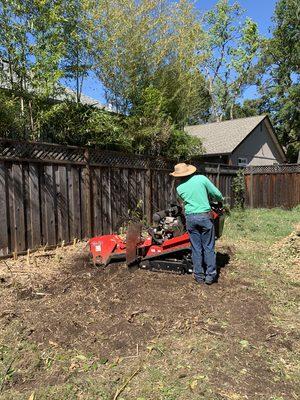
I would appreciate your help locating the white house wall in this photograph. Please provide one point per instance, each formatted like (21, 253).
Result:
(259, 148)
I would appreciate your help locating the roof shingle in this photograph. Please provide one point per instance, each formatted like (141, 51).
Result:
(224, 137)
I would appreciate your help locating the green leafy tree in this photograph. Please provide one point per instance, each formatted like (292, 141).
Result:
(149, 43)
(82, 125)
(77, 34)
(153, 131)
(149, 125)
(46, 46)
(248, 108)
(11, 125)
(178, 75)
(14, 47)
(231, 52)
(146, 53)
(30, 50)
(183, 146)
(280, 90)
(147, 56)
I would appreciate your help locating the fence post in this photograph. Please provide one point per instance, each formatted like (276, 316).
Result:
(251, 188)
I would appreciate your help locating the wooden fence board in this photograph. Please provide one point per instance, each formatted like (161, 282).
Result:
(271, 192)
(148, 195)
(106, 201)
(124, 197)
(263, 189)
(62, 204)
(296, 190)
(144, 191)
(258, 190)
(167, 191)
(97, 201)
(132, 189)
(139, 187)
(115, 198)
(76, 203)
(34, 206)
(119, 206)
(160, 191)
(17, 216)
(27, 201)
(85, 201)
(71, 206)
(278, 190)
(48, 195)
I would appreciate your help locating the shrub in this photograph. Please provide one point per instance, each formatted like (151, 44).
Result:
(239, 189)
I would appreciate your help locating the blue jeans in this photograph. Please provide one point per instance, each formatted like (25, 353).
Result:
(202, 236)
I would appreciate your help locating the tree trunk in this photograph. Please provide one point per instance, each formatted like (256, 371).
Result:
(11, 73)
(31, 116)
(77, 88)
(77, 78)
(213, 105)
(231, 110)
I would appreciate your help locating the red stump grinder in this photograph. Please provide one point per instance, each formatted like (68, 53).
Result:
(165, 247)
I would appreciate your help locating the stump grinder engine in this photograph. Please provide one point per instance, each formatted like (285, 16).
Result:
(165, 247)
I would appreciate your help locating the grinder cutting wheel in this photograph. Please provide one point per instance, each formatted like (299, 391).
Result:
(167, 245)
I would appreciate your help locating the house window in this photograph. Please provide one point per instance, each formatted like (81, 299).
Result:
(242, 161)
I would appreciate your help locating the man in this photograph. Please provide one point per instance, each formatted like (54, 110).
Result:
(195, 191)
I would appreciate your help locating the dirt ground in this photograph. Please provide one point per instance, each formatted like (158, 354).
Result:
(62, 298)
(59, 300)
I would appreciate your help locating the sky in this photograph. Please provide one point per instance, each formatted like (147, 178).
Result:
(260, 11)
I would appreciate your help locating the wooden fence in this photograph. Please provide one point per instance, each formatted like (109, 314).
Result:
(273, 186)
(52, 193)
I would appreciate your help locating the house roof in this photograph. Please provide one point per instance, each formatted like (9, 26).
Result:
(70, 94)
(223, 137)
(63, 92)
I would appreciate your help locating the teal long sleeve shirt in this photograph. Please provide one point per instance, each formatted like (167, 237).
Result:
(195, 192)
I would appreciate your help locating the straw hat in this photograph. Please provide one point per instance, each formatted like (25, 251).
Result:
(183, 169)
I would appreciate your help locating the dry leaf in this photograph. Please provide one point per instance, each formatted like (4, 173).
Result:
(73, 366)
(194, 384)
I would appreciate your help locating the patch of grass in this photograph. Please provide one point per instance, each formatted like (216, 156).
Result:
(261, 226)
(272, 269)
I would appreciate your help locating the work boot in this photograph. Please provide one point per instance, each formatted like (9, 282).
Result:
(210, 281)
(199, 279)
